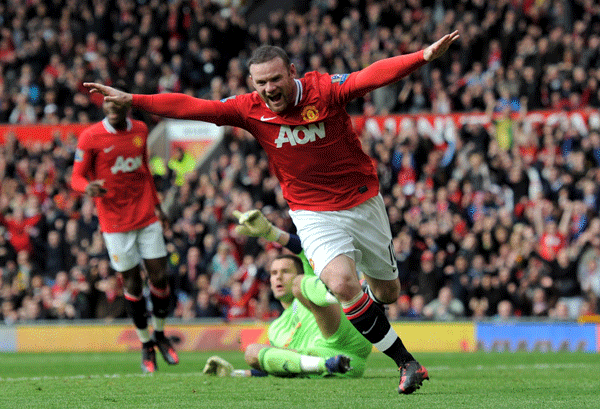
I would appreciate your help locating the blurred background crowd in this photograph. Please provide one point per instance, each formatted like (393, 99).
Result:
(493, 221)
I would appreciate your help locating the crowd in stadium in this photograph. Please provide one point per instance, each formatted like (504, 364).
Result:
(495, 221)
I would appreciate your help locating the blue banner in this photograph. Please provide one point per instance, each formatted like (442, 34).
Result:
(8, 339)
(542, 337)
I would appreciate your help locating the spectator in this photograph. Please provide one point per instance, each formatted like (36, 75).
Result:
(111, 303)
(181, 164)
(535, 63)
(20, 227)
(505, 311)
(223, 267)
(54, 256)
(206, 305)
(429, 278)
(23, 112)
(445, 307)
(62, 296)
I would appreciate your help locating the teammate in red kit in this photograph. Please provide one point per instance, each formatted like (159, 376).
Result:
(330, 184)
(111, 166)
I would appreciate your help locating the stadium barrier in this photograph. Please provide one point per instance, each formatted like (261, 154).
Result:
(438, 127)
(29, 135)
(417, 336)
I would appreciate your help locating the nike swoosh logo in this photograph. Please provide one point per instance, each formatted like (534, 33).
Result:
(106, 150)
(262, 118)
(372, 326)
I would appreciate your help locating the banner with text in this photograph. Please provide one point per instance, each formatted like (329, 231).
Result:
(442, 128)
(417, 336)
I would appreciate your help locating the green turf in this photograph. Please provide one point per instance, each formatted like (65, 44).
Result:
(461, 380)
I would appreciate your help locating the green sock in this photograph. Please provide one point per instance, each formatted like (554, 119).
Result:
(285, 362)
(314, 290)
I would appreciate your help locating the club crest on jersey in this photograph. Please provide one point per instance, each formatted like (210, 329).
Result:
(137, 141)
(312, 263)
(338, 78)
(310, 113)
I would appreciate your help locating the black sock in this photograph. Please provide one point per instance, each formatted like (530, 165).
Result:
(370, 320)
(136, 309)
(160, 301)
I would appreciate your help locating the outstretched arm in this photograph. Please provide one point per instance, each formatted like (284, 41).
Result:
(391, 70)
(170, 105)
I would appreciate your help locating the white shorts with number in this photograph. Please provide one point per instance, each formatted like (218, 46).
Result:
(127, 249)
(362, 233)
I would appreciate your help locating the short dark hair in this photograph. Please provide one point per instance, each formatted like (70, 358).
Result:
(266, 53)
(297, 261)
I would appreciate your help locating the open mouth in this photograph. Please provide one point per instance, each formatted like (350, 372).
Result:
(275, 98)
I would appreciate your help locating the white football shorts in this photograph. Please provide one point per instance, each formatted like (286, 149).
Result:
(127, 249)
(362, 233)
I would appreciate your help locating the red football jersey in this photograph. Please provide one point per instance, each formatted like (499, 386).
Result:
(119, 158)
(312, 146)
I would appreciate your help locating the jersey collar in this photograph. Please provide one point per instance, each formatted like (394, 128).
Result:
(111, 129)
(298, 91)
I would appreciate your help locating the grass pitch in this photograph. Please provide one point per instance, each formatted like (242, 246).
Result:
(461, 380)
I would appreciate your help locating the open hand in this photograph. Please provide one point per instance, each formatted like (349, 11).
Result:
(439, 47)
(253, 223)
(110, 94)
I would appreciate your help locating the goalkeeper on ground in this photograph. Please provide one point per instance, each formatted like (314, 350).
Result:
(312, 336)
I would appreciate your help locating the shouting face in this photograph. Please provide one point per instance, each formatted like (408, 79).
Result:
(274, 82)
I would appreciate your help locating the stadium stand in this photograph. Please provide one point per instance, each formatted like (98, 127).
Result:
(501, 206)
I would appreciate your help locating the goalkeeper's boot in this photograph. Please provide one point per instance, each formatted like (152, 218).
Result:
(338, 364)
(215, 365)
(166, 348)
(148, 357)
(412, 375)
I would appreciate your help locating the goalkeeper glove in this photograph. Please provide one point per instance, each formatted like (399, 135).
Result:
(254, 223)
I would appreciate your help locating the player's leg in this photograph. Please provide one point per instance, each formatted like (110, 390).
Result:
(285, 362)
(135, 304)
(313, 294)
(369, 318)
(365, 314)
(154, 253)
(330, 239)
(125, 259)
(372, 235)
(160, 296)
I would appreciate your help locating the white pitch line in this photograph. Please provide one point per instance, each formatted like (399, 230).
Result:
(200, 374)
(502, 367)
(105, 376)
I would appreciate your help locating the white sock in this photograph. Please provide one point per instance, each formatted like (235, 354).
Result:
(158, 323)
(143, 334)
(348, 304)
(311, 364)
(331, 298)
